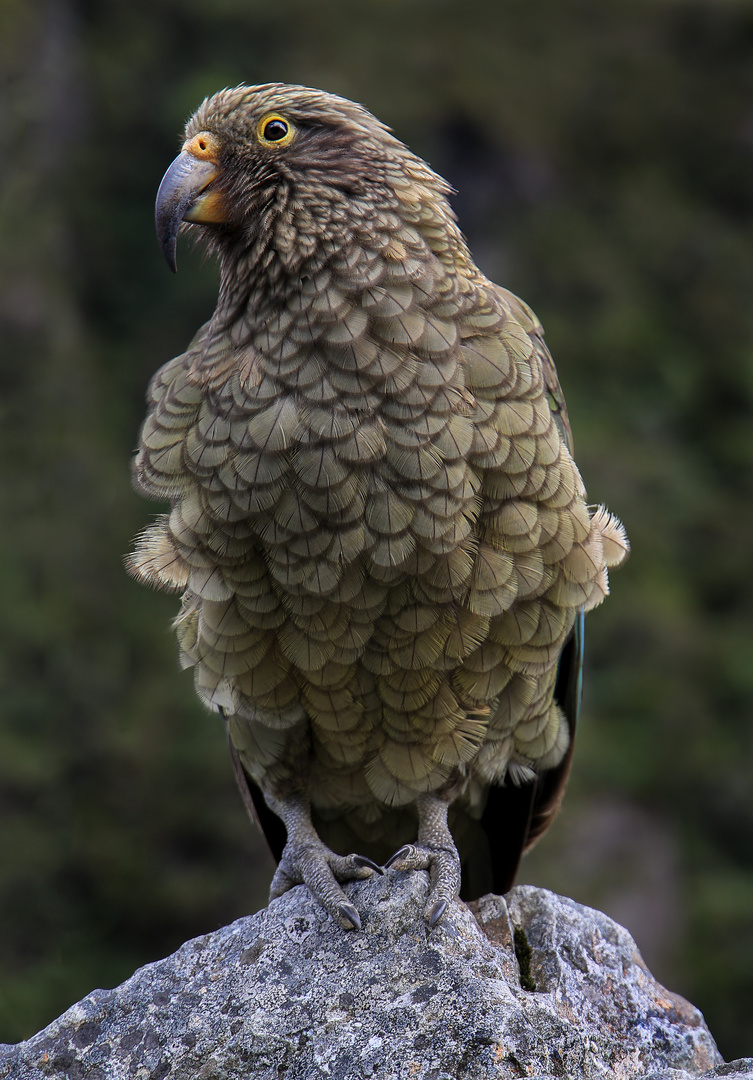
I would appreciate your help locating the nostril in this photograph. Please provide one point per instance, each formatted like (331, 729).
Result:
(203, 145)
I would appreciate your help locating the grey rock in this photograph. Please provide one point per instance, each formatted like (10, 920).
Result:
(286, 995)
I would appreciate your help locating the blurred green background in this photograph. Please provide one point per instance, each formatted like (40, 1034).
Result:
(603, 156)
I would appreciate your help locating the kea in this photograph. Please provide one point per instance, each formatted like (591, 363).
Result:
(381, 540)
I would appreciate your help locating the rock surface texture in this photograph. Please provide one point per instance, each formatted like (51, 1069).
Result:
(539, 986)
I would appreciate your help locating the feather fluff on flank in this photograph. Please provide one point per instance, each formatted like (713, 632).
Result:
(613, 536)
(519, 774)
(609, 533)
(154, 560)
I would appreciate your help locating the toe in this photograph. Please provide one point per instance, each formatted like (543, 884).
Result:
(443, 865)
(282, 882)
(445, 885)
(367, 864)
(353, 867)
(410, 857)
(349, 915)
(436, 911)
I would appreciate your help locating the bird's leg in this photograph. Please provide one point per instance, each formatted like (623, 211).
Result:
(307, 860)
(435, 852)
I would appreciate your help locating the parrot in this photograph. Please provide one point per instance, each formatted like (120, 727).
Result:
(382, 543)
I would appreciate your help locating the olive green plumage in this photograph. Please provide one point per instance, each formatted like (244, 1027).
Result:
(377, 527)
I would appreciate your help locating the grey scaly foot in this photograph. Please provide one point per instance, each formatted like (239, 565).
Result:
(314, 865)
(306, 860)
(435, 852)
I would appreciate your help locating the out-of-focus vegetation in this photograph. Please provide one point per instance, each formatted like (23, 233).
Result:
(603, 155)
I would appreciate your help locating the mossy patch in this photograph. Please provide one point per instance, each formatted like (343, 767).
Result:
(523, 955)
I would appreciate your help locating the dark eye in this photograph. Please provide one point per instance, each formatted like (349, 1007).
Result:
(274, 130)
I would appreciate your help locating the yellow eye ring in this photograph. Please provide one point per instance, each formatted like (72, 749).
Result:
(274, 130)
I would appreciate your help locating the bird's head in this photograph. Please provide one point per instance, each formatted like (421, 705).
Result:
(285, 161)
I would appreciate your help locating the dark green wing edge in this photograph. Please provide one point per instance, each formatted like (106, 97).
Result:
(261, 816)
(515, 817)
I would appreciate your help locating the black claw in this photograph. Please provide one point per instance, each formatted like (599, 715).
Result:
(437, 912)
(398, 855)
(361, 860)
(347, 911)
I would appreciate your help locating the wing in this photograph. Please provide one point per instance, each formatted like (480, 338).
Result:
(261, 816)
(517, 816)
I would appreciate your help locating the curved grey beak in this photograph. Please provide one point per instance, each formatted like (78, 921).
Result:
(180, 198)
